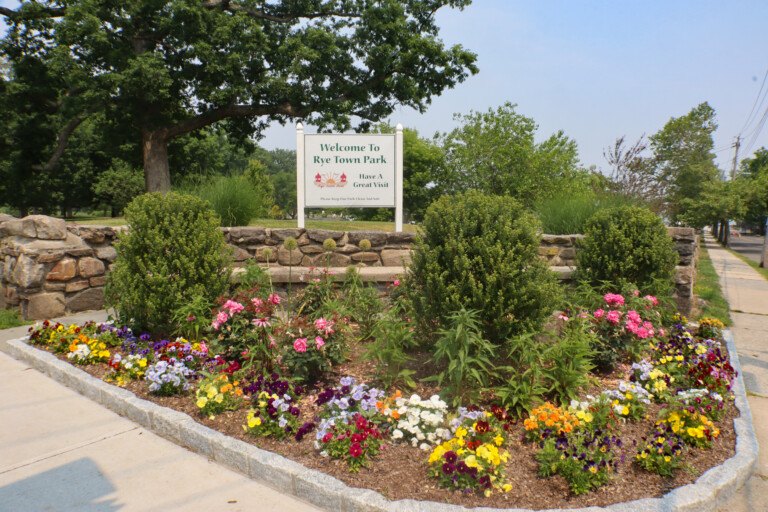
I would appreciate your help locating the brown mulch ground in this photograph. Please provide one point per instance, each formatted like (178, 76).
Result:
(400, 472)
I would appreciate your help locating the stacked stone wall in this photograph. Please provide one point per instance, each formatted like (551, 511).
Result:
(49, 268)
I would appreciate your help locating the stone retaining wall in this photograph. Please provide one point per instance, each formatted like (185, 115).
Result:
(49, 268)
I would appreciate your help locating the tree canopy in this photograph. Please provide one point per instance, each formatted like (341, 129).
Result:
(495, 152)
(162, 68)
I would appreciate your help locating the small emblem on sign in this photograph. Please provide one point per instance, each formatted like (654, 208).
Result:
(330, 179)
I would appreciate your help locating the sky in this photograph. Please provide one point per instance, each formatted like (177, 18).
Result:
(602, 69)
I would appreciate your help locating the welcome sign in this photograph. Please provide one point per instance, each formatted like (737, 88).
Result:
(341, 170)
(346, 170)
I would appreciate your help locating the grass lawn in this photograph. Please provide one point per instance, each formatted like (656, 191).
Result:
(334, 225)
(708, 289)
(10, 318)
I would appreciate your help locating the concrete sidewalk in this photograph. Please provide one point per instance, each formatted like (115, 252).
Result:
(60, 451)
(747, 294)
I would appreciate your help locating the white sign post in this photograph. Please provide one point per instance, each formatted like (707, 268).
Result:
(336, 170)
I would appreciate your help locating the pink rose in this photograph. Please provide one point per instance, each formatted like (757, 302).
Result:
(642, 333)
(233, 307)
(613, 317)
(653, 300)
(274, 299)
(300, 345)
(396, 282)
(257, 302)
(613, 299)
(319, 342)
(221, 317)
(634, 317)
(600, 313)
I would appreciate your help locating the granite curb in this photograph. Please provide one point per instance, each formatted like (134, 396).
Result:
(710, 492)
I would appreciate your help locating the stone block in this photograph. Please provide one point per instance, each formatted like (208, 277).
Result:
(4, 217)
(92, 298)
(48, 228)
(50, 257)
(136, 410)
(692, 498)
(684, 275)
(282, 234)
(12, 296)
(365, 257)
(308, 261)
(107, 253)
(45, 305)
(64, 270)
(90, 267)
(312, 250)
(20, 227)
(320, 489)
(272, 469)
(8, 263)
(34, 247)
(27, 273)
(98, 281)
(80, 252)
(567, 253)
(557, 240)
(247, 235)
(395, 257)
(76, 286)
(337, 260)
(167, 422)
(375, 237)
(364, 500)
(402, 238)
(286, 257)
(320, 235)
(196, 437)
(229, 452)
(239, 254)
(258, 254)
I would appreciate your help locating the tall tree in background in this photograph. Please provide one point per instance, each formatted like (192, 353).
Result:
(164, 68)
(683, 158)
(633, 173)
(495, 152)
(753, 172)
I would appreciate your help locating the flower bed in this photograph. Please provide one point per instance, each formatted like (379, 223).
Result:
(626, 437)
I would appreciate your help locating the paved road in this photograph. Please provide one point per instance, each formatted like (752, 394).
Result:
(749, 246)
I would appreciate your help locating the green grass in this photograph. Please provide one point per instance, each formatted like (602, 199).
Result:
(98, 221)
(11, 318)
(755, 265)
(708, 289)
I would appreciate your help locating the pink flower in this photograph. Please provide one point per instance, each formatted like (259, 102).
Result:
(221, 317)
(274, 299)
(215, 325)
(261, 322)
(613, 317)
(244, 353)
(653, 300)
(648, 325)
(300, 345)
(635, 292)
(634, 317)
(396, 282)
(583, 314)
(272, 343)
(642, 333)
(661, 332)
(600, 313)
(631, 327)
(326, 326)
(319, 341)
(562, 317)
(233, 307)
(613, 299)
(257, 302)
(203, 348)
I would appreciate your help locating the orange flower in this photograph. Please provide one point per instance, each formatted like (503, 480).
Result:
(396, 415)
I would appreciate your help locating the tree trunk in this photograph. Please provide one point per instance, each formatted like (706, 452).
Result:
(157, 175)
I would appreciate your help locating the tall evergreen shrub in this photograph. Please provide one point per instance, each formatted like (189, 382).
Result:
(172, 252)
(626, 246)
(480, 252)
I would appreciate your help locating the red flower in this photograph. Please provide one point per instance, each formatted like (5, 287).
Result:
(357, 438)
(360, 422)
(355, 450)
(328, 437)
(482, 427)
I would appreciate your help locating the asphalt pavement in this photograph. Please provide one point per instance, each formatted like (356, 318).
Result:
(749, 246)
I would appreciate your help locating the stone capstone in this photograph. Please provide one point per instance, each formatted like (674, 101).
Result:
(312, 249)
(18, 227)
(71, 244)
(282, 234)
(247, 235)
(366, 257)
(45, 305)
(64, 270)
(90, 267)
(92, 298)
(400, 238)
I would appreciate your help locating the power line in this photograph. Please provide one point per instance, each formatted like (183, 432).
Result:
(746, 123)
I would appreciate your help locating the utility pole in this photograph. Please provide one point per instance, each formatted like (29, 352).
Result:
(735, 156)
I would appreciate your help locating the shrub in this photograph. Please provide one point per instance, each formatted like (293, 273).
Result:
(236, 199)
(480, 252)
(627, 245)
(568, 213)
(172, 253)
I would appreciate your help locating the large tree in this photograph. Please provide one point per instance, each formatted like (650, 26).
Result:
(495, 152)
(163, 68)
(683, 158)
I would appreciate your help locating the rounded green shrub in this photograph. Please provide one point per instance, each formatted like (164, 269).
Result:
(624, 246)
(172, 252)
(481, 252)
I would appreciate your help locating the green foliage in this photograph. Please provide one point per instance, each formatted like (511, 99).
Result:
(11, 318)
(392, 338)
(255, 276)
(521, 380)
(171, 254)
(684, 160)
(481, 252)
(707, 288)
(236, 199)
(567, 361)
(466, 354)
(362, 301)
(494, 152)
(118, 185)
(568, 211)
(627, 245)
(192, 318)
